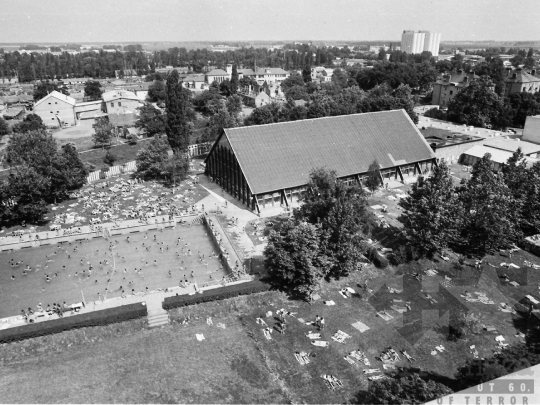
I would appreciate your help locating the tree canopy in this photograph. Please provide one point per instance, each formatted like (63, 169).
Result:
(92, 90)
(32, 122)
(151, 120)
(177, 127)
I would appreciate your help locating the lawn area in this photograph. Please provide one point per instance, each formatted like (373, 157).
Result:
(124, 153)
(137, 365)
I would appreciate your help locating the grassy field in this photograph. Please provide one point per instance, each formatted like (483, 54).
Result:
(124, 153)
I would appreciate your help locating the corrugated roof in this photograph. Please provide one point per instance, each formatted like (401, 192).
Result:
(278, 156)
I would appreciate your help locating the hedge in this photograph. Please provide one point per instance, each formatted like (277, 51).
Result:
(95, 318)
(222, 293)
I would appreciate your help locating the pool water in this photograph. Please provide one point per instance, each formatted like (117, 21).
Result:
(69, 284)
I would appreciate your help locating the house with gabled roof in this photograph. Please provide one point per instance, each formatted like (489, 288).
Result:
(217, 75)
(270, 75)
(264, 165)
(519, 80)
(56, 110)
(445, 89)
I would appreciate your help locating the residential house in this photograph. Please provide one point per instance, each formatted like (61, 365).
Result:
(121, 102)
(56, 110)
(445, 90)
(245, 73)
(194, 82)
(217, 75)
(270, 75)
(519, 80)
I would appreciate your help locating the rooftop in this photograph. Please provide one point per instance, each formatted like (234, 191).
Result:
(278, 156)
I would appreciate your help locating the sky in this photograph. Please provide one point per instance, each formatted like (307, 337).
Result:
(72, 21)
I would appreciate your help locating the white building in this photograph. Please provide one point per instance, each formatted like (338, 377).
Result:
(56, 110)
(419, 41)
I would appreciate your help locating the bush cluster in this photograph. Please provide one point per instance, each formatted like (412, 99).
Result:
(376, 258)
(216, 294)
(95, 318)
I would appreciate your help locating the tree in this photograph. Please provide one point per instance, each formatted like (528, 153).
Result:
(430, 212)
(490, 214)
(295, 79)
(297, 93)
(25, 192)
(374, 180)
(156, 91)
(234, 80)
(476, 104)
(295, 258)
(102, 132)
(405, 390)
(151, 120)
(341, 210)
(92, 90)
(225, 87)
(176, 169)
(32, 122)
(340, 77)
(4, 127)
(47, 87)
(248, 83)
(306, 74)
(177, 126)
(151, 160)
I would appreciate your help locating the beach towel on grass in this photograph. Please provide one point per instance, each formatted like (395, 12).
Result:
(360, 326)
(199, 336)
(320, 343)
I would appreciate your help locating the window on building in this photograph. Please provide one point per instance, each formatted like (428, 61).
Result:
(55, 102)
(451, 92)
(119, 104)
(49, 103)
(58, 112)
(112, 104)
(52, 112)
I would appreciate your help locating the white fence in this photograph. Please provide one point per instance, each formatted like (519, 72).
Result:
(113, 171)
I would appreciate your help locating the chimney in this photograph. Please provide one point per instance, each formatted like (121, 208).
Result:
(465, 79)
(533, 72)
(508, 71)
(514, 75)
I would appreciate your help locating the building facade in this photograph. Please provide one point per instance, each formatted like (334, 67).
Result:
(419, 41)
(121, 102)
(56, 110)
(445, 90)
(519, 80)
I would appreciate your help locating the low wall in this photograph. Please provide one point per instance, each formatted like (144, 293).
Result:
(229, 291)
(94, 318)
(222, 243)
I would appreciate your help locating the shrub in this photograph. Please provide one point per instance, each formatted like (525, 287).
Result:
(215, 294)
(105, 169)
(132, 139)
(95, 318)
(90, 166)
(376, 258)
(109, 158)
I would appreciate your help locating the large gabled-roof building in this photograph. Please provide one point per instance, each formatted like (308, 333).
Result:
(268, 164)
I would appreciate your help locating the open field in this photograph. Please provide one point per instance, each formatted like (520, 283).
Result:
(68, 266)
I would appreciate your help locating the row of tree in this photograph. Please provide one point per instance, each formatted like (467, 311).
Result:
(490, 211)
